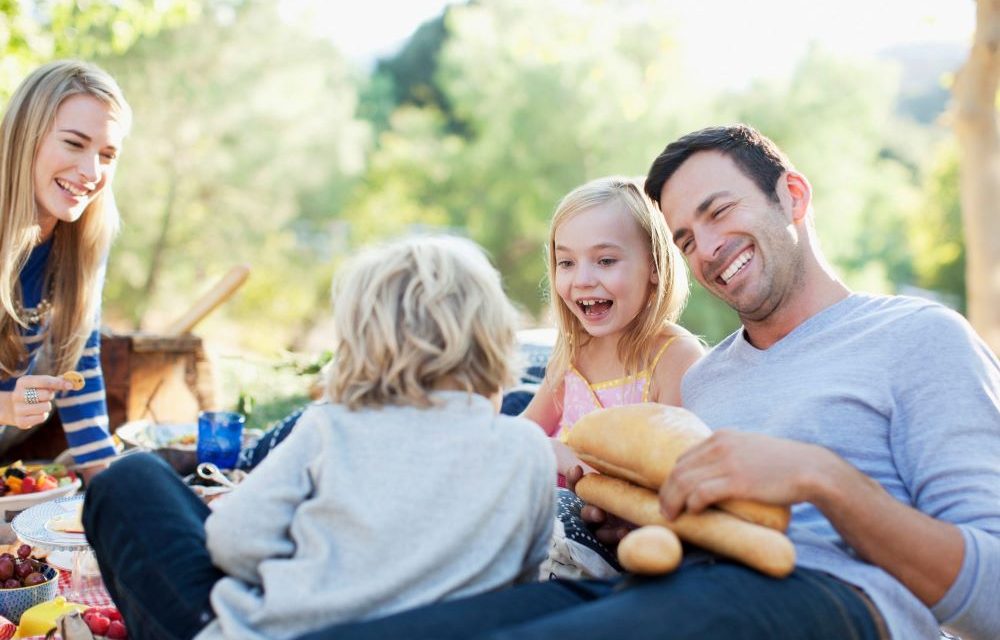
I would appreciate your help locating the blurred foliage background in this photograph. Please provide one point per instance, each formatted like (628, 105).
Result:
(257, 142)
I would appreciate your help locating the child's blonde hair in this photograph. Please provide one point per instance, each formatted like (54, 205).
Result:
(667, 297)
(418, 313)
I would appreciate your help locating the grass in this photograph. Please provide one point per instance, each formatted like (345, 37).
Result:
(266, 389)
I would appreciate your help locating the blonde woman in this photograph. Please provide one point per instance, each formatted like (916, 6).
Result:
(617, 286)
(60, 140)
(407, 488)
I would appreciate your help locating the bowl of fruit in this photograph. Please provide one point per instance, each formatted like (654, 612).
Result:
(24, 582)
(25, 485)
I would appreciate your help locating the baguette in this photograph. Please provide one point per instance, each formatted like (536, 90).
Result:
(650, 551)
(642, 442)
(760, 548)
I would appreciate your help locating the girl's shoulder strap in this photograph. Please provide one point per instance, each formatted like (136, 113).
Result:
(659, 354)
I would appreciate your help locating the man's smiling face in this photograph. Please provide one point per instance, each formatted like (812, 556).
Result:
(741, 245)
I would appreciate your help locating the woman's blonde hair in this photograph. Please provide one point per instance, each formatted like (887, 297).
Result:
(74, 269)
(416, 314)
(667, 297)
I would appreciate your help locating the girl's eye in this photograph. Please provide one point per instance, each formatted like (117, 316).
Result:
(74, 144)
(564, 264)
(110, 157)
(606, 262)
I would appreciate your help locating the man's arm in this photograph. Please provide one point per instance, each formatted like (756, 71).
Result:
(924, 554)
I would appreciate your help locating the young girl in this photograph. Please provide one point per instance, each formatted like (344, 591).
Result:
(406, 489)
(617, 286)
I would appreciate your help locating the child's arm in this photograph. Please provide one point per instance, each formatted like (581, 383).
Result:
(676, 360)
(545, 407)
(250, 524)
(545, 411)
(542, 510)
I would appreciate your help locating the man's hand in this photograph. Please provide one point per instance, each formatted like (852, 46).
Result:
(608, 529)
(733, 464)
(30, 402)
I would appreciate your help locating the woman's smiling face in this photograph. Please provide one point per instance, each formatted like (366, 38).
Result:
(75, 160)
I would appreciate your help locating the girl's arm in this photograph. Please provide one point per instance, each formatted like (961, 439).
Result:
(545, 407)
(673, 364)
(250, 524)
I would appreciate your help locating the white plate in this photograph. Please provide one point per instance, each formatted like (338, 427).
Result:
(13, 504)
(32, 525)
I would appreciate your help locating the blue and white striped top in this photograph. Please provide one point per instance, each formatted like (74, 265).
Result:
(84, 413)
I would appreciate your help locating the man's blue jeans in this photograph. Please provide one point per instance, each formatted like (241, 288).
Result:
(147, 530)
(707, 601)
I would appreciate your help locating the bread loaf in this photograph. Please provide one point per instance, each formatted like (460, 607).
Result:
(760, 548)
(642, 442)
(650, 550)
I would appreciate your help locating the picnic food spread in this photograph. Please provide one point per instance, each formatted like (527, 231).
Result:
(635, 448)
(19, 478)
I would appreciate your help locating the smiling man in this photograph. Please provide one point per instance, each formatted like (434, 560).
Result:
(879, 416)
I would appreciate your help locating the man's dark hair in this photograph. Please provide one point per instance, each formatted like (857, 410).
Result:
(756, 156)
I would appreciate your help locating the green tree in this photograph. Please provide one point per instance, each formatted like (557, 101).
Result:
(244, 145)
(936, 232)
(35, 31)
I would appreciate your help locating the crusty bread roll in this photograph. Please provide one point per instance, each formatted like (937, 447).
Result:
(760, 548)
(641, 443)
(650, 550)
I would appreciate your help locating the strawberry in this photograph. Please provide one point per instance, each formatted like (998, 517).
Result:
(111, 613)
(116, 630)
(98, 623)
(28, 485)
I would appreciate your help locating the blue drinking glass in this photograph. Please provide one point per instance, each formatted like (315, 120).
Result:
(220, 437)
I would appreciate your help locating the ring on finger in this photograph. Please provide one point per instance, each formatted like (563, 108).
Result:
(31, 395)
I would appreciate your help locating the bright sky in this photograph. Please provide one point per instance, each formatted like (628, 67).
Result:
(782, 28)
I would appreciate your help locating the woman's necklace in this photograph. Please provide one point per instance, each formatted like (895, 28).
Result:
(35, 315)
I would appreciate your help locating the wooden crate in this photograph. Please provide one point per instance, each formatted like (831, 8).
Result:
(158, 378)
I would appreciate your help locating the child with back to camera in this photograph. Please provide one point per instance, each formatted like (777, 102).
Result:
(410, 448)
(617, 286)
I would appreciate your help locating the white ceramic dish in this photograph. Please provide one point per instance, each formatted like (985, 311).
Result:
(13, 504)
(32, 525)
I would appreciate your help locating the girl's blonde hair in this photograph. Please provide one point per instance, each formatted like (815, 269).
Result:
(416, 314)
(74, 270)
(666, 300)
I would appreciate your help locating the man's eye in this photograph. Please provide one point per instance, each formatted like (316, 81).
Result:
(686, 247)
(721, 210)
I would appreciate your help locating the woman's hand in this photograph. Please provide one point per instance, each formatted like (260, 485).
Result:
(30, 402)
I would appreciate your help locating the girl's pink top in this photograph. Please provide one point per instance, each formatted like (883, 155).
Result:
(580, 397)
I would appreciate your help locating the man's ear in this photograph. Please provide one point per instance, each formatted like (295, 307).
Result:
(800, 194)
